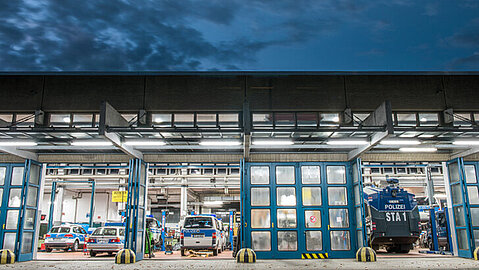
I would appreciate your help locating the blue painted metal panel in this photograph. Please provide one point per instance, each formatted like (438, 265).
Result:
(345, 235)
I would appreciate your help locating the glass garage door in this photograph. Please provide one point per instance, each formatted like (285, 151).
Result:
(296, 208)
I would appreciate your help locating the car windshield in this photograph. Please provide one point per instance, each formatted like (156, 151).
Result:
(60, 230)
(105, 231)
(198, 222)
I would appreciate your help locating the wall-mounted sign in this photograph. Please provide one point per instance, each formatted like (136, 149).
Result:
(119, 196)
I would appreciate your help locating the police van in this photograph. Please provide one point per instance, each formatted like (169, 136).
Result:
(201, 232)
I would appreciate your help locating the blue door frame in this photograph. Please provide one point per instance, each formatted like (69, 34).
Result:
(357, 175)
(460, 207)
(472, 194)
(136, 207)
(19, 214)
(300, 231)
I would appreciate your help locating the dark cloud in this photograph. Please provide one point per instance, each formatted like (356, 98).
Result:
(468, 37)
(469, 62)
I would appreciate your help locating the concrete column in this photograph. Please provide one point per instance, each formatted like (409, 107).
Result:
(183, 195)
(58, 210)
(429, 186)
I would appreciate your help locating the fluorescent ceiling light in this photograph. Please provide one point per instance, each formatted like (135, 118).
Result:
(466, 142)
(347, 142)
(91, 143)
(220, 143)
(17, 143)
(272, 142)
(418, 149)
(144, 143)
(423, 119)
(66, 119)
(400, 142)
(213, 203)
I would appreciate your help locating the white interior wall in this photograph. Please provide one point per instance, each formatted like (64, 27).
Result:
(76, 210)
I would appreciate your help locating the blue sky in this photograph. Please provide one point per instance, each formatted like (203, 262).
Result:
(322, 35)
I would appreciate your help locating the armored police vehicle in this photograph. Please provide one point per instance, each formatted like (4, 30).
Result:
(392, 217)
(201, 232)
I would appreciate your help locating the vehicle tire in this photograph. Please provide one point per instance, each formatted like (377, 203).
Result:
(110, 253)
(48, 249)
(92, 253)
(66, 249)
(391, 249)
(183, 252)
(75, 246)
(215, 252)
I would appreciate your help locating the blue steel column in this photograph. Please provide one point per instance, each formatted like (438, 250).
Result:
(231, 228)
(52, 205)
(432, 215)
(92, 201)
(163, 229)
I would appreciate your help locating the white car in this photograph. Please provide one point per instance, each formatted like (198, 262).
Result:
(199, 233)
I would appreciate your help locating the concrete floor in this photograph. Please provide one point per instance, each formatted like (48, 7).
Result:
(383, 263)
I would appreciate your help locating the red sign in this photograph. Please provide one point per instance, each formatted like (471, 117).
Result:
(312, 219)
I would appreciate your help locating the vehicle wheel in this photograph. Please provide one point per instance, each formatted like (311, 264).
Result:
(215, 252)
(220, 250)
(92, 253)
(66, 249)
(183, 252)
(110, 253)
(75, 246)
(391, 249)
(48, 249)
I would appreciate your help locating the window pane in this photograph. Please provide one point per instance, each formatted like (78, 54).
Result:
(262, 119)
(284, 119)
(428, 119)
(184, 119)
(470, 173)
(12, 220)
(261, 241)
(314, 241)
(287, 240)
(9, 241)
(17, 176)
(83, 120)
(311, 196)
(337, 196)
(260, 197)
(27, 242)
(60, 120)
(1, 196)
(161, 119)
(340, 240)
(286, 218)
(310, 175)
(359, 218)
(462, 119)
(462, 241)
(406, 119)
(456, 194)
(336, 174)
(473, 194)
(357, 198)
(228, 120)
(307, 119)
(360, 238)
(285, 175)
(312, 218)
(355, 173)
(459, 216)
(260, 175)
(475, 216)
(260, 218)
(476, 234)
(32, 196)
(14, 197)
(329, 119)
(206, 120)
(3, 170)
(338, 218)
(34, 175)
(286, 196)
(453, 172)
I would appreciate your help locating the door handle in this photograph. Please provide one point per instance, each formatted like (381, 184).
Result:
(272, 224)
(328, 227)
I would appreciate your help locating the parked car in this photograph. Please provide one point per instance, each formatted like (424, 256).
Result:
(106, 239)
(155, 228)
(223, 235)
(65, 237)
(199, 233)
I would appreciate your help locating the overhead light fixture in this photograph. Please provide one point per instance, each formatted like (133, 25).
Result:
(400, 142)
(466, 142)
(213, 203)
(272, 142)
(418, 149)
(66, 119)
(423, 119)
(220, 143)
(91, 143)
(145, 143)
(347, 142)
(17, 143)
